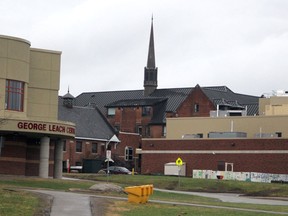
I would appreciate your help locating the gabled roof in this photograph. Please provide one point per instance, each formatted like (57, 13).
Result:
(174, 96)
(218, 93)
(90, 122)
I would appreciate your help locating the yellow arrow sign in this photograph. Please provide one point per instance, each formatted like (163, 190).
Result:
(179, 162)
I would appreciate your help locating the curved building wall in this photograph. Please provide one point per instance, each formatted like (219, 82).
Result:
(14, 65)
(31, 136)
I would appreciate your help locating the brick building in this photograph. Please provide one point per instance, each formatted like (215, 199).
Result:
(143, 113)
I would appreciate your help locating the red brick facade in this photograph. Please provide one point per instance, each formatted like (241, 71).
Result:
(196, 99)
(117, 150)
(21, 157)
(206, 154)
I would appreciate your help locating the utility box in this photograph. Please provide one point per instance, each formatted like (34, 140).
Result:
(173, 169)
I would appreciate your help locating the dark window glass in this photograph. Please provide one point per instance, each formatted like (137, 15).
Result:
(94, 147)
(146, 111)
(128, 153)
(14, 97)
(221, 166)
(78, 146)
(196, 107)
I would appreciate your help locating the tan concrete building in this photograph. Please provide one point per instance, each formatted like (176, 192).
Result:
(271, 123)
(274, 105)
(31, 136)
(231, 127)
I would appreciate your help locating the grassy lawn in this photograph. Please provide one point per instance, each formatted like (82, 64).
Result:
(128, 209)
(190, 184)
(28, 203)
(17, 203)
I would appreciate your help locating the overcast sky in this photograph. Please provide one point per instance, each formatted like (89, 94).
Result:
(242, 44)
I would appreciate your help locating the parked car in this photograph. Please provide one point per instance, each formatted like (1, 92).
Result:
(116, 170)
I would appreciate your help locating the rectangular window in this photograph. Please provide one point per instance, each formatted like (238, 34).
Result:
(221, 166)
(64, 146)
(146, 111)
(139, 130)
(128, 153)
(111, 111)
(78, 146)
(196, 107)
(94, 147)
(14, 95)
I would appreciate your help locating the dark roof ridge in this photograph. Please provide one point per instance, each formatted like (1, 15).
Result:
(109, 91)
(217, 88)
(246, 95)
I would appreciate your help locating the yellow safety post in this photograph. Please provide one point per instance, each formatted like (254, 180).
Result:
(139, 194)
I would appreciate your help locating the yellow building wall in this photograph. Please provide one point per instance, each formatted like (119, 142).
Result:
(177, 127)
(275, 105)
(44, 84)
(14, 65)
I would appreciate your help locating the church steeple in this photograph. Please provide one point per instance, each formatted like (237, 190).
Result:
(150, 71)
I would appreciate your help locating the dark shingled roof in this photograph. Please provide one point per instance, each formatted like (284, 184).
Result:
(90, 122)
(175, 97)
(137, 102)
(101, 99)
(218, 94)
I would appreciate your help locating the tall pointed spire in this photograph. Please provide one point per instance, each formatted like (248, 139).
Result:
(150, 71)
(151, 52)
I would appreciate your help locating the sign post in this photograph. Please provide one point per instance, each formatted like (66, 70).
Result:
(108, 159)
(179, 163)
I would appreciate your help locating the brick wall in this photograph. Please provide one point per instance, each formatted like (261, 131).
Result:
(20, 156)
(196, 97)
(265, 162)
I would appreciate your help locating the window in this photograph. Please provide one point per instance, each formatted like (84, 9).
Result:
(128, 153)
(139, 130)
(64, 146)
(196, 107)
(94, 147)
(14, 97)
(221, 166)
(111, 111)
(78, 146)
(146, 111)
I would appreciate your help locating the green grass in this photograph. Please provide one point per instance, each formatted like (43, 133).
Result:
(54, 184)
(26, 203)
(128, 209)
(17, 203)
(190, 184)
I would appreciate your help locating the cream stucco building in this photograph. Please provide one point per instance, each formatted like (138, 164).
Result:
(271, 123)
(31, 136)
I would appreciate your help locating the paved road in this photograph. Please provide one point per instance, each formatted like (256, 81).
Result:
(74, 204)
